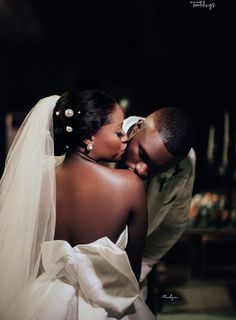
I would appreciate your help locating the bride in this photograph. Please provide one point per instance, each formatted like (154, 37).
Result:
(72, 231)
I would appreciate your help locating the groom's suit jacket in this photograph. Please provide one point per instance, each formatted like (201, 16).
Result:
(168, 198)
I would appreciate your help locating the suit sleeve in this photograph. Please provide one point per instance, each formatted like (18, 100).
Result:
(172, 225)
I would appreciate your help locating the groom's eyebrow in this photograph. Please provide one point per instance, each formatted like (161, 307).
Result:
(144, 154)
(146, 157)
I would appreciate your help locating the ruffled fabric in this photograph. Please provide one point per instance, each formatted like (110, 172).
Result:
(91, 281)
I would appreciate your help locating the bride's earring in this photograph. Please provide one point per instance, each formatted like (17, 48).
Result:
(89, 147)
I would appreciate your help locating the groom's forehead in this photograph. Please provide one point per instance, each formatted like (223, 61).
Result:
(147, 134)
(149, 122)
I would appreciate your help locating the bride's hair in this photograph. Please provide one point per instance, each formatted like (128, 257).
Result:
(78, 115)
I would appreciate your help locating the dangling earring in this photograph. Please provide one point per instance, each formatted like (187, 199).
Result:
(89, 147)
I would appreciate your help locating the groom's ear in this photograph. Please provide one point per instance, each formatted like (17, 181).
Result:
(140, 124)
(135, 129)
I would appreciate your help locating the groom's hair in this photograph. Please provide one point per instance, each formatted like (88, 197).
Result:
(176, 130)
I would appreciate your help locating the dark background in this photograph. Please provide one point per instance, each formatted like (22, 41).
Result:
(155, 53)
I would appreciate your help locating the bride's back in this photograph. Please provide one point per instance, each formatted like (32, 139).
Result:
(92, 202)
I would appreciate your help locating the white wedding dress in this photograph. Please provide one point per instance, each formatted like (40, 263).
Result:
(87, 282)
(45, 279)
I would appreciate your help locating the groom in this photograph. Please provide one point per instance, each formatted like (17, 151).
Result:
(160, 151)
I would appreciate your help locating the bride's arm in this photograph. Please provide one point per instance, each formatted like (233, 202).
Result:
(137, 223)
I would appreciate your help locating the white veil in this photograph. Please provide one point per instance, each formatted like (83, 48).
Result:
(27, 204)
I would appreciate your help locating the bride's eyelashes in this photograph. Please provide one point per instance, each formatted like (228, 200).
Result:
(120, 134)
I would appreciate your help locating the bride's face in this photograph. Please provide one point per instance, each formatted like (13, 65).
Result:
(110, 141)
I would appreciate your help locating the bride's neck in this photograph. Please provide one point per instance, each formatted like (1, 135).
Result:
(86, 157)
(79, 156)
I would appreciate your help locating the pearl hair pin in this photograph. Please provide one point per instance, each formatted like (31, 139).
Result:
(69, 113)
(69, 129)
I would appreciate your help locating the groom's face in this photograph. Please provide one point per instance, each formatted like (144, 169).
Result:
(146, 153)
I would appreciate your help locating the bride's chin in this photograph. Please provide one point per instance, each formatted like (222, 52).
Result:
(117, 158)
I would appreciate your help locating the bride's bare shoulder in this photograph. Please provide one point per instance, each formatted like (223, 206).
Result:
(125, 178)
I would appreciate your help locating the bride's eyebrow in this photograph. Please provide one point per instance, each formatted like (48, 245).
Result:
(119, 125)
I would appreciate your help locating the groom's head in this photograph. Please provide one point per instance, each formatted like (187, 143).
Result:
(159, 142)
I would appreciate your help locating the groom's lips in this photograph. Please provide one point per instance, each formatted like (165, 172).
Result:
(129, 168)
(142, 176)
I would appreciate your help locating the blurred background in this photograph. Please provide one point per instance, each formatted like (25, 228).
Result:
(147, 54)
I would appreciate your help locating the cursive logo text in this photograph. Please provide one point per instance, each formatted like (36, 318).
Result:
(202, 4)
(169, 297)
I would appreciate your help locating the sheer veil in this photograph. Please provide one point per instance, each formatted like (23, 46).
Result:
(27, 206)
